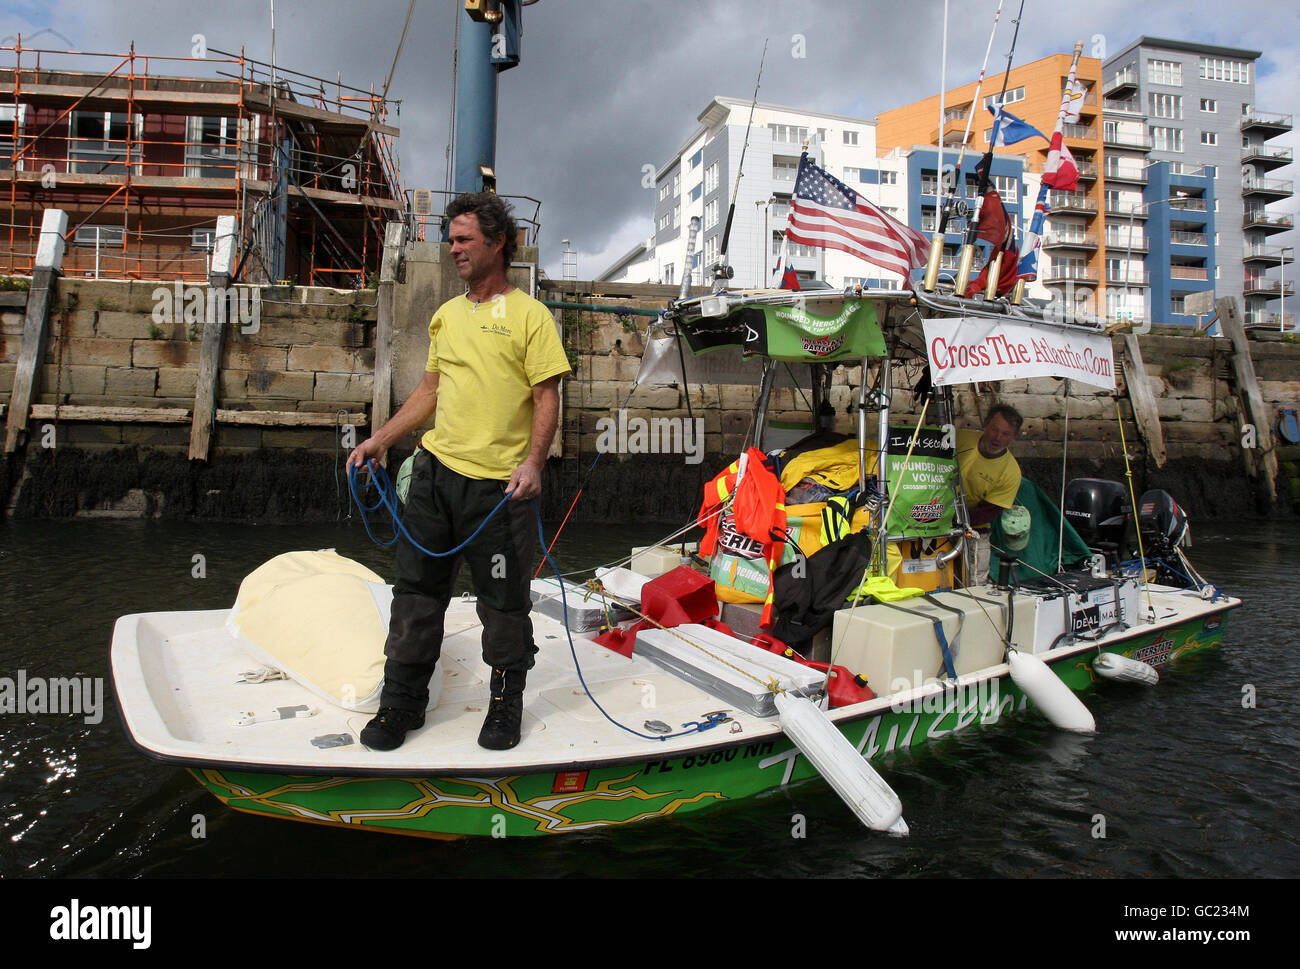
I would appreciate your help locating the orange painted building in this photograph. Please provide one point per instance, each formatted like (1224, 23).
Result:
(1073, 243)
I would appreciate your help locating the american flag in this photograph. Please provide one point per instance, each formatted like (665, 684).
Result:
(828, 214)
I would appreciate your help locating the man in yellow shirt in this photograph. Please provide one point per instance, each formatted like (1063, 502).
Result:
(990, 476)
(492, 379)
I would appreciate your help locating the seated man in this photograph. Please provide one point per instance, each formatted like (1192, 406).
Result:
(990, 477)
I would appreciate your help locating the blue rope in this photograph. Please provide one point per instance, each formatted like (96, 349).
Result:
(387, 500)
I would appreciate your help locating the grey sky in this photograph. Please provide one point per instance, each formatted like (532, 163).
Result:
(606, 86)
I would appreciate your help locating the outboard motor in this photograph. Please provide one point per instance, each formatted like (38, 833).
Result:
(1162, 523)
(1098, 510)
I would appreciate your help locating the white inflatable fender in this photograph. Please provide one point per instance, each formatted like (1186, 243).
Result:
(1046, 691)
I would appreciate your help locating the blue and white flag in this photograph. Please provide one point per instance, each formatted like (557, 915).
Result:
(1010, 129)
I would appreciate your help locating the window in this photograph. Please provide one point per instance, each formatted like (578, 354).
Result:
(98, 141)
(696, 159)
(853, 175)
(711, 177)
(1209, 105)
(677, 184)
(1008, 187)
(1225, 69)
(1166, 105)
(928, 222)
(201, 240)
(663, 221)
(212, 147)
(677, 216)
(711, 214)
(102, 236)
(1209, 138)
(1176, 305)
(889, 178)
(1013, 95)
(850, 137)
(790, 133)
(663, 191)
(1165, 72)
(696, 192)
(1216, 205)
(1166, 139)
(711, 251)
(1211, 171)
(669, 271)
(7, 134)
(784, 169)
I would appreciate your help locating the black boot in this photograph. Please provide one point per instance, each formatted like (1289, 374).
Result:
(388, 729)
(505, 710)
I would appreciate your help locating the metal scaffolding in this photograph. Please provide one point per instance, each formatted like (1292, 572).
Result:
(145, 162)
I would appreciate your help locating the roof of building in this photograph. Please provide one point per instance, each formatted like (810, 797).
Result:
(626, 259)
(1161, 43)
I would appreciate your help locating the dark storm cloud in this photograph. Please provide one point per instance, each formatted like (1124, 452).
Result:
(607, 86)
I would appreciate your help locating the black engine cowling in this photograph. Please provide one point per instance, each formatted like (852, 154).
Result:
(1099, 511)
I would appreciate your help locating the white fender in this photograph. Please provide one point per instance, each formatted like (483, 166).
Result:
(1116, 667)
(847, 771)
(1046, 691)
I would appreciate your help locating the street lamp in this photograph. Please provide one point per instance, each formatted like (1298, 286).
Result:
(1281, 267)
(1128, 256)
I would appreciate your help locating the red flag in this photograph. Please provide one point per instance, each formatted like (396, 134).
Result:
(1008, 272)
(1060, 172)
(993, 226)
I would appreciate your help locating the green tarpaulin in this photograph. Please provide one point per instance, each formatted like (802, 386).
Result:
(1044, 537)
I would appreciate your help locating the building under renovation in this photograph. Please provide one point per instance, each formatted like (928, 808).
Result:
(144, 160)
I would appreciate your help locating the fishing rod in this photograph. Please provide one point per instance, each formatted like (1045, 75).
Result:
(721, 271)
(968, 250)
(948, 205)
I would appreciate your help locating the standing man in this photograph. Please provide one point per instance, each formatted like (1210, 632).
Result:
(990, 477)
(492, 382)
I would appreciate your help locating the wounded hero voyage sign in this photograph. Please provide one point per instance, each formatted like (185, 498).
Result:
(964, 350)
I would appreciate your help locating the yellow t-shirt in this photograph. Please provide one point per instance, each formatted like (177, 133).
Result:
(995, 480)
(487, 359)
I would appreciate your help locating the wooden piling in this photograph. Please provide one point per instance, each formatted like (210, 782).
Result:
(49, 261)
(1145, 412)
(214, 330)
(1261, 459)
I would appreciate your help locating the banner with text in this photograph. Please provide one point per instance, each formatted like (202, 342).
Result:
(962, 351)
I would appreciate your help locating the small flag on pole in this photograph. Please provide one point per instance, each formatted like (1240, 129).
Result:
(1011, 129)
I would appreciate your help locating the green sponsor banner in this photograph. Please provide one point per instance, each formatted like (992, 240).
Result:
(921, 491)
(793, 333)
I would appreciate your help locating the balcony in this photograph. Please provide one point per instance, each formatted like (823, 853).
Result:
(1122, 84)
(1262, 286)
(1266, 157)
(1264, 222)
(1087, 169)
(1074, 240)
(1274, 187)
(1071, 202)
(1127, 106)
(1134, 277)
(1125, 139)
(1126, 173)
(1269, 122)
(1119, 207)
(1189, 272)
(1273, 255)
(1116, 242)
(1070, 274)
(1260, 318)
(1084, 132)
(1180, 238)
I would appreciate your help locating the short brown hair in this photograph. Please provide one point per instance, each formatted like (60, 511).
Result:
(494, 219)
(1008, 413)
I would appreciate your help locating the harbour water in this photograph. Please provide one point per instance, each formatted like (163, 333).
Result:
(1196, 778)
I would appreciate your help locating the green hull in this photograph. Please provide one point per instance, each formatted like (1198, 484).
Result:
(599, 796)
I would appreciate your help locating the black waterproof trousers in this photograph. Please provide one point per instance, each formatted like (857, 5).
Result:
(443, 509)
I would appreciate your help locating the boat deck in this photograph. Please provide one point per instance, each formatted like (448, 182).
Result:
(176, 677)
